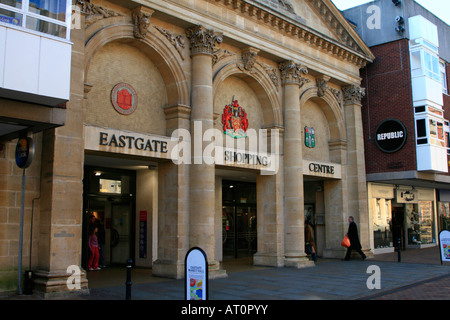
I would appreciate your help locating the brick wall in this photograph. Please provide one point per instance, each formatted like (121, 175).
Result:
(388, 96)
(10, 203)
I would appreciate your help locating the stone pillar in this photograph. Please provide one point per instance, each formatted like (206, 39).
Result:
(270, 194)
(356, 173)
(61, 204)
(292, 80)
(173, 204)
(202, 170)
(335, 201)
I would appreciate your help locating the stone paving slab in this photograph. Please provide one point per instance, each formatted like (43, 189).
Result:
(331, 280)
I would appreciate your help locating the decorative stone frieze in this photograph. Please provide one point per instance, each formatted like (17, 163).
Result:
(248, 59)
(272, 72)
(337, 94)
(94, 13)
(203, 40)
(291, 72)
(322, 85)
(141, 21)
(176, 40)
(353, 94)
(220, 54)
(286, 4)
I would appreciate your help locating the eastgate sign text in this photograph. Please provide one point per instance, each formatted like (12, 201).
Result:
(131, 142)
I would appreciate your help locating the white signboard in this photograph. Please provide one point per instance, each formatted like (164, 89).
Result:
(444, 244)
(196, 275)
(322, 169)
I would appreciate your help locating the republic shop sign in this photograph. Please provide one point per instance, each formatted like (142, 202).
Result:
(390, 136)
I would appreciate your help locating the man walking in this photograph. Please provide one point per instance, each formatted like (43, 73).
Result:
(354, 240)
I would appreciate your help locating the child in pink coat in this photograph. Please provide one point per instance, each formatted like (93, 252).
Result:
(93, 246)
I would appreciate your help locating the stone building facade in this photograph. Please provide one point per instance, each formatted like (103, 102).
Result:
(144, 147)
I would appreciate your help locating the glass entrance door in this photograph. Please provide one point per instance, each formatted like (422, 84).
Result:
(109, 196)
(120, 232)
(239, 234)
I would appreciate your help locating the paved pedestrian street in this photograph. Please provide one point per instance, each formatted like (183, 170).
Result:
(419, 276)
(328, 280)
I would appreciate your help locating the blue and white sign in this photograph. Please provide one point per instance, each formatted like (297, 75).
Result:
(196, 275)
(24, 152)
(444, 245)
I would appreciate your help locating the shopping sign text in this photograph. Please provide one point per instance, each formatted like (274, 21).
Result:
(209, 146)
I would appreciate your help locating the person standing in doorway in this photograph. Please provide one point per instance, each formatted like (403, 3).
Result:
(93, 247)
(354, 240)
(310, 243)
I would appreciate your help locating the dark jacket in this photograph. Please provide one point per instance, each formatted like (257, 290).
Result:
(353, 236)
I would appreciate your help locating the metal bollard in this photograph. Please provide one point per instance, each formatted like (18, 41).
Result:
(399, 258)
(128, 282)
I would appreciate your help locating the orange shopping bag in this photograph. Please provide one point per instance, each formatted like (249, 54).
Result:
(345, 242)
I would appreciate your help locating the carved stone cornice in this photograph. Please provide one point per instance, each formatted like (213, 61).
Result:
(346, 48)
(203, 40)
(334, 23)
(291, 73)
(353, 94)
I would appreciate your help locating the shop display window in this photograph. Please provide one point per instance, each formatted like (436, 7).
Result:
(382, 226)
(444, 215)
(419, 223)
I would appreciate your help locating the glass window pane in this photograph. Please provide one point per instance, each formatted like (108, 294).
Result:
(110, 186)
(12, 3)
(422, 141)
(421, 129)
(10, 17)
(427, 60)
(440, 130)
(435, 70)
(433, 129)
(46, 27)
(55, 9)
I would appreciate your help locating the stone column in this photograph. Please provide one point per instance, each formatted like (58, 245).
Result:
(173, 204)
(202, 170)
(292, 80)
(335, 201)
(356, 173)
(270, 194)
(61, 204)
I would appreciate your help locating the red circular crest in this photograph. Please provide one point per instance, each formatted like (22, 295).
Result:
(124, 98)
